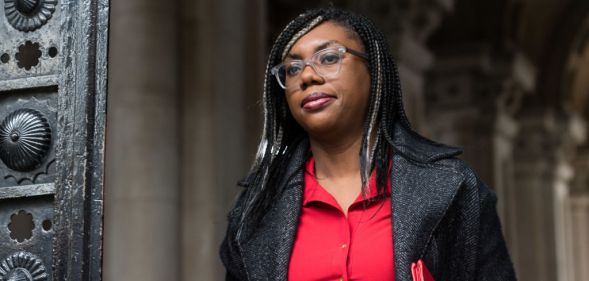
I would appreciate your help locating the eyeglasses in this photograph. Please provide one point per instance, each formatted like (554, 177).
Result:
(326, 63)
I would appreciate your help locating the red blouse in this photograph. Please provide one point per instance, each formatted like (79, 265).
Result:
(329, 246)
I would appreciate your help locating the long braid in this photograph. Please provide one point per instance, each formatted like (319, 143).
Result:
(374, 152)
(281, 133)
(273, 142)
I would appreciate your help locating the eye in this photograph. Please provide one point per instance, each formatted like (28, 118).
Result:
(329, 58)
(293, 68)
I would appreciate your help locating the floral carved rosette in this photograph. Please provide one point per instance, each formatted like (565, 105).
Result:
(22, 266)
(29, 15)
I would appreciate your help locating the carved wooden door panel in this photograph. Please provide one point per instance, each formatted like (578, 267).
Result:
(52, 120)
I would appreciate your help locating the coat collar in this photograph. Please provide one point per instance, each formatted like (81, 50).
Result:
(422, 192)
(418, 148)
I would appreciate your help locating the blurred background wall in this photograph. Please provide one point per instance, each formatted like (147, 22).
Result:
(505, 79)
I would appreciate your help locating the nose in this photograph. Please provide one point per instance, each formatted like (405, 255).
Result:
(310, 77)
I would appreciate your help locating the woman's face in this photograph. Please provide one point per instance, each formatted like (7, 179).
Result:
(335, 106)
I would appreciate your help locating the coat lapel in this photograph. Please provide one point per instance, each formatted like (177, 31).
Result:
(421, 196)
(422, 192)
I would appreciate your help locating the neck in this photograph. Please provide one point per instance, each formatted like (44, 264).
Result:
(336, 159)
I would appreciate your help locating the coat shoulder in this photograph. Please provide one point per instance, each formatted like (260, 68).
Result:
(471, 178)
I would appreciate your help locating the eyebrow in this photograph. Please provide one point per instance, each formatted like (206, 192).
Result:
(317, 49)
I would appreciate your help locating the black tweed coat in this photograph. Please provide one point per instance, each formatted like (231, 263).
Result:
(441, 213)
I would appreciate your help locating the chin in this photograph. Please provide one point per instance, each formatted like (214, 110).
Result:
(320, 128)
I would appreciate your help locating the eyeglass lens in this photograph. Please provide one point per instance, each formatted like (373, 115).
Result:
(325, 63)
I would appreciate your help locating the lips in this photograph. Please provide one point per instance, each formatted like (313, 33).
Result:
(316, 101)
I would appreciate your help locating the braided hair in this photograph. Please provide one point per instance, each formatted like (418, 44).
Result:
(281, 133)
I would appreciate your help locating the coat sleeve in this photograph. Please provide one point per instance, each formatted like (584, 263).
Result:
(230, 261)
(229, 252)
(493, 261)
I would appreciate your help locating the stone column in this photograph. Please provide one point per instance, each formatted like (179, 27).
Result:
(141, 238)
(580, 230)
(222, 68)
(543, 174)
(564, 228)
(573, 221)
(533, 250)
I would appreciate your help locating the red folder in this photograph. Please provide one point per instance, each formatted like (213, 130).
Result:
(420, 272)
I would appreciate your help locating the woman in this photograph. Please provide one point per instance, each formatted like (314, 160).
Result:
(342, 188)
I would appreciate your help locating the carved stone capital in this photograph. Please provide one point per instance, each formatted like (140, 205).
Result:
(478, 79)
(548, 137)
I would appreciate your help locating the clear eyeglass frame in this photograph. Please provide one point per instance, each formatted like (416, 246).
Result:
(326, 63)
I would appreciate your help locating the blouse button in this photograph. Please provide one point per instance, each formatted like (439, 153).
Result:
(344, 246)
